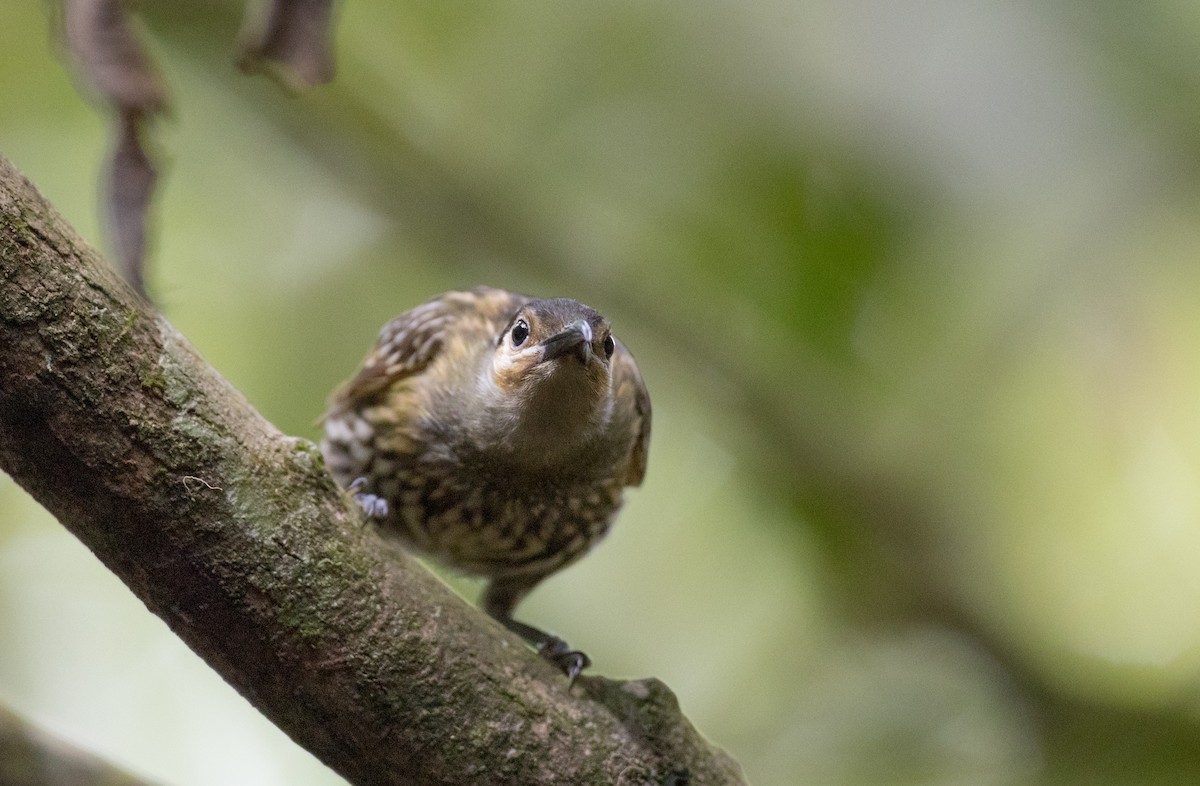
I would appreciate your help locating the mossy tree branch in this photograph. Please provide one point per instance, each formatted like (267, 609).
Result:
(235, 535)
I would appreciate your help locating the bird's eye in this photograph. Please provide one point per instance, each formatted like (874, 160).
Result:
(520, 332)
(609, 345)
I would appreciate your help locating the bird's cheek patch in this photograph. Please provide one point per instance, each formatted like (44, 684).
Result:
(510, 372)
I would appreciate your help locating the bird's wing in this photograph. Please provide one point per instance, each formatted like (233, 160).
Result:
(411, 341)
(628, 381)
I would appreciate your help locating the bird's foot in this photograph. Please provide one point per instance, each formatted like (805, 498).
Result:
(374, 506)
(558, 652)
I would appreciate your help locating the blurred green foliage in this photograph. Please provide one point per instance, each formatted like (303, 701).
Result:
(914, 287)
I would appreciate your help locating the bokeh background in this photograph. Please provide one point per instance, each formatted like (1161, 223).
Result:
(915, 288)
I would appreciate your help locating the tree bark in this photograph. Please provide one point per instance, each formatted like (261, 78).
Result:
(236, 536)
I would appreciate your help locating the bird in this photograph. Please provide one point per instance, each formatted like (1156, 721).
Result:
(496, 433)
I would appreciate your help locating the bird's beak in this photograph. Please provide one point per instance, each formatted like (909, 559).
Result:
(576, 340)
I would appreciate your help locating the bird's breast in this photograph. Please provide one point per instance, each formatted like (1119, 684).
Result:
(491, 526)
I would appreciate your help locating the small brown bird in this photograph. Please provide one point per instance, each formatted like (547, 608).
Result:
(495, 432)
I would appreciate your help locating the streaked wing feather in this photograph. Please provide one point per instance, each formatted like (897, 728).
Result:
(626, 375)
(411, 341)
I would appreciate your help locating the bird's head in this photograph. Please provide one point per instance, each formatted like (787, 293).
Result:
(550, 375)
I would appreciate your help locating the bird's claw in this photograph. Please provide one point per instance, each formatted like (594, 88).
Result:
(570, 661)
(374, 506)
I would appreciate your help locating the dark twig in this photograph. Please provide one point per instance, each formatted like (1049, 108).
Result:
(30, 756)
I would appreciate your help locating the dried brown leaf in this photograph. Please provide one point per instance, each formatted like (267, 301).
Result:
(102, 40)
(292, 41)
(130, 188)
